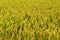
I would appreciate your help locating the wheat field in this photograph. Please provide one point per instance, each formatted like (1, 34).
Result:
(29, 19)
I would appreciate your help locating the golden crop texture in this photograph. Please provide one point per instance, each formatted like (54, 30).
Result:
(29, 19)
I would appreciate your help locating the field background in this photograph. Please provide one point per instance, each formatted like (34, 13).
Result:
(29, 19)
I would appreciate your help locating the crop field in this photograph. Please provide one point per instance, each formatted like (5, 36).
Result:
(29, 19)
